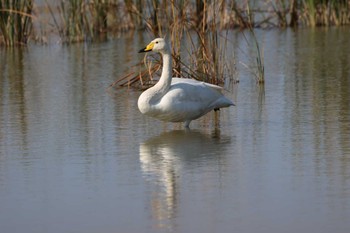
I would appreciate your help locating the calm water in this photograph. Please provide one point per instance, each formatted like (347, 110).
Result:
(76, 158)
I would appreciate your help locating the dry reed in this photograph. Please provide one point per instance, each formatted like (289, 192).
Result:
(88, 20)
(15, 22)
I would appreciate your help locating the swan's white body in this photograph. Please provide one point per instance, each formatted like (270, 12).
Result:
(178, 99)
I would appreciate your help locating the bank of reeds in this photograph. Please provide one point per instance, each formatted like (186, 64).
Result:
(325, 13)
(239, 13)
(87, 20)
(204, 24)
(80, 20)
(15, 21)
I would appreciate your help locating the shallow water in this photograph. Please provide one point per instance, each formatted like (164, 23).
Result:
(77, 158)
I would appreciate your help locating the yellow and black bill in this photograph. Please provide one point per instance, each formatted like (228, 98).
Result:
(148, 48)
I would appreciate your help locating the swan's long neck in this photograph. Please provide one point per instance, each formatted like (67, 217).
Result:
(151, 97)
(165, 79)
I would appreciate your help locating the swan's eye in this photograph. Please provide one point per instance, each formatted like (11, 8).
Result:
(156, 42)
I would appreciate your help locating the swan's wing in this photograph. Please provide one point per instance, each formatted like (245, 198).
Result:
(195, 82)
(194, 95)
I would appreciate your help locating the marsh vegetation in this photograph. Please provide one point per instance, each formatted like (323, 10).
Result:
(204, 24)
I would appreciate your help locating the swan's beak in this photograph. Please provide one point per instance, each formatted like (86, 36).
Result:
(148, 48)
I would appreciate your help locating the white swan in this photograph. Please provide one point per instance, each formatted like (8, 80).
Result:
(178, 99)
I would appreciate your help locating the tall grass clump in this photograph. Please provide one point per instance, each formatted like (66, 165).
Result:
(210, 60)
(205, 56)
(15, 22)
(82, 20)
(72, 21)
(325, 12)
(309, 12)
(198, 45)
(281, 10)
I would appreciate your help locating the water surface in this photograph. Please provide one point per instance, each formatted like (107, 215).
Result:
(77, 158)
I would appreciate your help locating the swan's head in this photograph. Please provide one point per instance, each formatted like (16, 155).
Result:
(156, 45)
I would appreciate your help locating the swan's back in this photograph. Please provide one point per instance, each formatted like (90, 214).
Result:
(201, 93)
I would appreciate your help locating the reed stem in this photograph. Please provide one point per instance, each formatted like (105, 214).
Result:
(15, 22)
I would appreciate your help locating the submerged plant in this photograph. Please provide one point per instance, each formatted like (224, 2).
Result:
(258, 69)
(260, 74)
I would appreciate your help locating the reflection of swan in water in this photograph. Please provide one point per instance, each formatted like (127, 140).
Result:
(166, 157)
